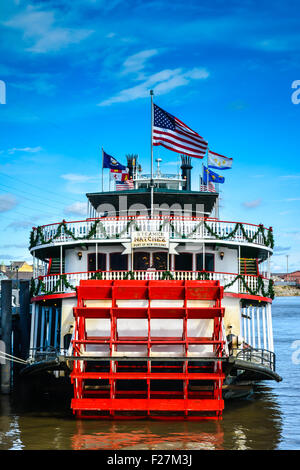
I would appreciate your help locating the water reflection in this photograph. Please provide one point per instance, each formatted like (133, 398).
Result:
(247, 424)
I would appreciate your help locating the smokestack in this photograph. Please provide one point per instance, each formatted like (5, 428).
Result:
(186, 168)
(131, 164)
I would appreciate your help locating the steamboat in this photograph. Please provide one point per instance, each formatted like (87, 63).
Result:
(152, 307)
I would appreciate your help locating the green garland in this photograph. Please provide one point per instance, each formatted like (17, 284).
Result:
(268, 240)
(37, 236)
(40, 288)
(203, 276)
(259, 289)
(167, 275)
(129, 274)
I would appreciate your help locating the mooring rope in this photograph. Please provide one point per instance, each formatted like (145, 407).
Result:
(9, 357)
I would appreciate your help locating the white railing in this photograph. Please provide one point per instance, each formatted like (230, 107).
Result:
(175, 227)
(67, 282)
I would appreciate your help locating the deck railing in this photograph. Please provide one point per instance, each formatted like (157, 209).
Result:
(67, 282)
(175, 227)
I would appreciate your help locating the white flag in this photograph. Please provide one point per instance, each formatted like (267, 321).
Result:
(215, 160)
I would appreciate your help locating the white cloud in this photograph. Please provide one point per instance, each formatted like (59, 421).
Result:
(40, 30)
(21, 224)
(252, 204)
(25, 149)
(135, 63)
(7, 202)
(161, 82)
(78, 208)
(77, 178)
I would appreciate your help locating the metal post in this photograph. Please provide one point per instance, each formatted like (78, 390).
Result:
(24, 297)
(6, 329)
(61, 266)
(151, 180)
(102, 168)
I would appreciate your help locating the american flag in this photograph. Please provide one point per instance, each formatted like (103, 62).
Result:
(210, 187)
(123, 185)
(174, 135)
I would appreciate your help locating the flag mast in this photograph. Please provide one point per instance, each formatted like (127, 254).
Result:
(102, 168)
(151, 179)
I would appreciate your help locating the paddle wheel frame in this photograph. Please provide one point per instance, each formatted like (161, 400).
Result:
(187, 386)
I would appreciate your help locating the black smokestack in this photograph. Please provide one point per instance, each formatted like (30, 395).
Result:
(131, 164)
(186, 168)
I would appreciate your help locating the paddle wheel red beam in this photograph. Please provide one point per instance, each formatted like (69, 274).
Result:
(114, 390)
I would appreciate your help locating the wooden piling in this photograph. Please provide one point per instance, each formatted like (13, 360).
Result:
(6, 331)
(24, 299)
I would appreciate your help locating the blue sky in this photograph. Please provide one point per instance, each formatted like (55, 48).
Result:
(78, 75)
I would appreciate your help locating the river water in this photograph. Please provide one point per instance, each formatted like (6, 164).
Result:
(270, 419)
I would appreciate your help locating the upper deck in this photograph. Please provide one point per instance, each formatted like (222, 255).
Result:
(46, 239)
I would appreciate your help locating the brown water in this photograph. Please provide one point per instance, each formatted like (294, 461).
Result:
(270, 419)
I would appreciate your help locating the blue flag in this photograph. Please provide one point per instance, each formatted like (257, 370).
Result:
(211, 177)
(111, 162)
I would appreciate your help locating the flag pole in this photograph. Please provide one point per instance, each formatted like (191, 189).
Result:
(151, 179)
(102, 168)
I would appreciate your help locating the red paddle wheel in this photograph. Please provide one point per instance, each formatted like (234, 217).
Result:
(123, 376)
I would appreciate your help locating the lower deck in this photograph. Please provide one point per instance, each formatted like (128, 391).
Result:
(149, 348)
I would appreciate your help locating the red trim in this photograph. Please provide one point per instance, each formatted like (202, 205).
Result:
(117, 217)
(248, 296)
(52, 296)
(49, 266)
(226, 294)
(176, 270)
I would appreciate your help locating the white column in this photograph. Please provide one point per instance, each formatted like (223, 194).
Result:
(248, 324)
(271, 328)
(253, 325)
(258, 327)
(264, 326)
(245, 325)
(96, 254)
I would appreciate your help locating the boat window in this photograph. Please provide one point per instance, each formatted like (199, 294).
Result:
(118, 262)
(184, 262)
(141, 260)
(160, 261)
(101, 262)
(209, 262)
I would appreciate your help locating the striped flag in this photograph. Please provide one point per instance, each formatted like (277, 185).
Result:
(174, 135)
(210, 187)
(215, 160)
(123, 185)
